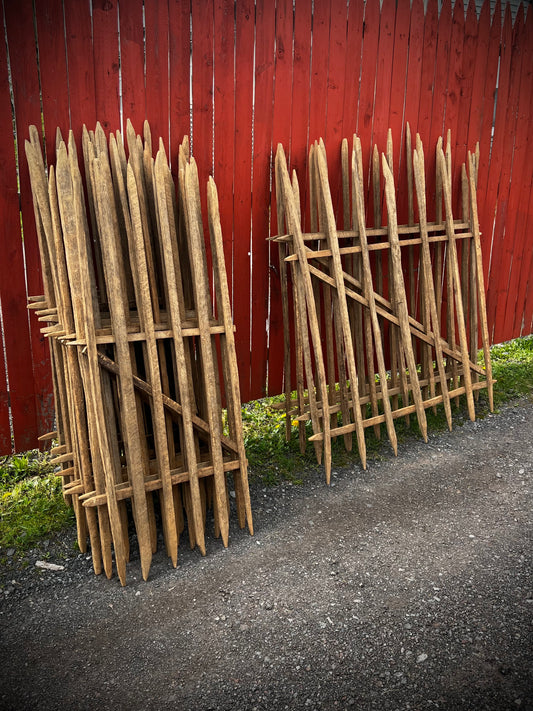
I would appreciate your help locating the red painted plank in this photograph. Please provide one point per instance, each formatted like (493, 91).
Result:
(479, 72)
(384, 74)
(335, 100)
(429, 51)
(202, 101)
(466, 83)
(511, 174)
(106, 63)
(202, 90)
(368, 78)
(354, 44)
(487, 114)
(79, 45)
(319, 71)
(300, 99)
(519, 198)
(397, 97)
(157, 79)
(10, 236)
(224, 119)
(414, 65)
(12, 286)
(180, 70)
(440, 82)
(264, 86)
(523, 256)
(453, 95)
(281, 133)
(412, 87)
(132, 63)
(20, 33)
(497, 156)
(53, 71)
(242, 205)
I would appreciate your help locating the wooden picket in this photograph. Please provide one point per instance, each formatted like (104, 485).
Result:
(264, 73)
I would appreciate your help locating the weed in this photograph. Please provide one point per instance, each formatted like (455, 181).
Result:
(31, 501)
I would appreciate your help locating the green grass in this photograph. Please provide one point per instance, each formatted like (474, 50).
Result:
(31, 502)
(272, 459)
(32, 505)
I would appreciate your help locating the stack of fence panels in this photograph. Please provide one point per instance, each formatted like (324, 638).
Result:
(385, 320)
(143, 353)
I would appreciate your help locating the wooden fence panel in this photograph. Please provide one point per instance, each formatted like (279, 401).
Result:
(261, 73)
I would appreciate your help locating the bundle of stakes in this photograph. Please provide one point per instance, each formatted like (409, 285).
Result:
(142, 360)
(408, 298)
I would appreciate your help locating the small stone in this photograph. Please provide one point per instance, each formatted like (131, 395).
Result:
(232, 494)
(10, 552)
(137, 593)
(421, 658)
(269, 605)
(48, 566)
(521, 471)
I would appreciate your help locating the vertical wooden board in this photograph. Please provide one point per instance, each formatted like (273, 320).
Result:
(202, 95)
(318, 91)
(352, 54)
(453, 94)
(440, 83)
(511, 166)
(523, 260)
(300, 99)
(180, 70)
(384, 74)
(13, 295)
(397, 100)
(261, 178)
(479, 68)
(281, 133)
(25, 82)
(520, 180)
(157, 78)
(79, 44)
(106, 63)
(53, 71)
(366, 92)
(132, 54)
(5, 427)
(429, 52)
(242, 205)
(224, 120)
(487, 74)
(466, 87)
(489, 202)
(335, 100)
(413, 83)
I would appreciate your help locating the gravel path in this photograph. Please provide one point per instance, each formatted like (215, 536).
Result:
(408, 586)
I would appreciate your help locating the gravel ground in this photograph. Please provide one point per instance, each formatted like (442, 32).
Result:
(408, 586)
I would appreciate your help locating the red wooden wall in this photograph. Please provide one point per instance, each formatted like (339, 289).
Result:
(262, 72)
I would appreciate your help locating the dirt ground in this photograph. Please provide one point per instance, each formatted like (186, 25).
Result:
(408, 586)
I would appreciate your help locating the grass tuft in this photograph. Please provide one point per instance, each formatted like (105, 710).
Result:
(31, 501)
